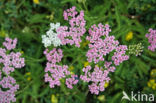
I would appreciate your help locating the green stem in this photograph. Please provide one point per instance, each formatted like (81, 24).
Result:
(34, 59)
(24, 88)
(84, 4)
(75, 60)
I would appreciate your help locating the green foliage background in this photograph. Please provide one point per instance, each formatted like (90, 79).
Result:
(28, 21)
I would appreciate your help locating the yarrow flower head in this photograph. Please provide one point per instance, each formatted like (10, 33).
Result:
(54, 56)
(8, 95)
(55, 72)
(72, 81)
(9, 62)
(72, 35)
(151, 39)
(119, 56)
(9, 43)
(98, 77)
(51, 36)
(100, 47)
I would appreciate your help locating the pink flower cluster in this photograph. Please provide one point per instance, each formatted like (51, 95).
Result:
(152, 39)
(8, 95)
(98, 77)
(119, 56)
(9, 43)
(54, 56)
(72, 35)
(101, 45)
(71, 81)
(55, 72)
(9, 60)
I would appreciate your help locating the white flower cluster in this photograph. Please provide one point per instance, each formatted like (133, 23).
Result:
(51, 36)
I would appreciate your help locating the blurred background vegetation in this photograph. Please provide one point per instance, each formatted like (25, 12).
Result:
(129, 20)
